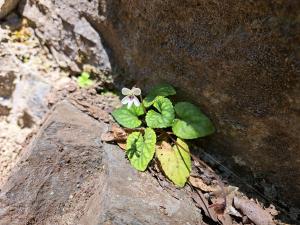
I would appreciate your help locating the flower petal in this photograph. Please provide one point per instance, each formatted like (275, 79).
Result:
(126, 91)
(130, 102)
(136, 91)
(125, 100)
(136, 101)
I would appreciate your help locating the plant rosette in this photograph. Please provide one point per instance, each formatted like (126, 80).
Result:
(158, 129)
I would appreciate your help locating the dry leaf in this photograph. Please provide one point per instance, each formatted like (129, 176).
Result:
(198, 183)
(122, 145)
(272, 210)
(225, 219)
(231, 192)
(108, 136)
(119, 132)
(228, 190)
(203, 204)
(253, 211)
(232, 211)
(219, 205)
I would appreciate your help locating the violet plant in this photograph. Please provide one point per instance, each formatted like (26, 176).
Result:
(158, 129)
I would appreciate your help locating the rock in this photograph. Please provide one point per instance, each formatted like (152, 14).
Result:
(24, 84)
(11, 139)
(67, 176)
(7, 84)
(6, 6)
(27, 75)
(71, 38)
(238, 61)
(23, 91)
(29, 100)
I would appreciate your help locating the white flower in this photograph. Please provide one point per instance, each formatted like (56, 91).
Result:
(130, 97)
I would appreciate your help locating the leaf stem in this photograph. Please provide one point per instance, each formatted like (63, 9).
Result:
(141, 98)
(134, 129)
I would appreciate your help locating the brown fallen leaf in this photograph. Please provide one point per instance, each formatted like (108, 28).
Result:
(202, 203)
(108, 136)
(219, 205)
(225, 219)
(198, 183)
(232, 211)
(119, 132)
(253, 211)
(272, 210)
(229, 190)
(223, 205)
(122, 145)
(116, 134)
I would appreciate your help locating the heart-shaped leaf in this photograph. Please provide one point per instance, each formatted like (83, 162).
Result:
(175, 161)
(140, 149)
(160, 90)
(128, 117)
(137, 110)
(191, 122)
(165, 115)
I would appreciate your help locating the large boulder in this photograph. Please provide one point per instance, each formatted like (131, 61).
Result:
(6, 6)
(237, 60)
(68, 176)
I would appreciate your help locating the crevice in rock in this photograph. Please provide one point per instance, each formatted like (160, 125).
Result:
(4, 110)
(106, 38)
(7, 84)
(26, 120)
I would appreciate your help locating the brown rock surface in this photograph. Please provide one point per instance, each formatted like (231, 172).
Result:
(238, 60)
(67, 176)
(6, 6)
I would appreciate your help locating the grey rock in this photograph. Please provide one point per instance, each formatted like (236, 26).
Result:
(29, 98)
(65, 30)
(24, 86)
(6, 6)
(24, 93)
(68, 176)
(27, 73)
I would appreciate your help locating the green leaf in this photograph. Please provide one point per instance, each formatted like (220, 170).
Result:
(137, 110)
(140, 149)
(84, 80)
(160, 90)
(85, 75)
(175, 162)
(128, 117)
(165, 115)
(191, 122)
